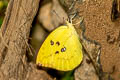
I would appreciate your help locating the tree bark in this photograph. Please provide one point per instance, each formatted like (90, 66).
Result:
(14, 35)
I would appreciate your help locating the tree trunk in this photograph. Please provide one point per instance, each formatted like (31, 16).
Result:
(14, 35)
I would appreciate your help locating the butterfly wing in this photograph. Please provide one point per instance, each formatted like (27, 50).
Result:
(61, 50)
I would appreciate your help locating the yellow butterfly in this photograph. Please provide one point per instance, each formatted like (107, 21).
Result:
(61, 50)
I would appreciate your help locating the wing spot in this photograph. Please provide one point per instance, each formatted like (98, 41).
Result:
(51, 42)
(58, 43)
(56, 52)
(63, 49)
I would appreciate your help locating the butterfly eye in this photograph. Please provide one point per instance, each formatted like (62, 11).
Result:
(63, 49)
(51, 42)
(58, 43)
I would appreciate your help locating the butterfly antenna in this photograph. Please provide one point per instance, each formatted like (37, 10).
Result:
(57, 15)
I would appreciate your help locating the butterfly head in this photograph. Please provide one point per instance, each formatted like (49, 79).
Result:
(69, 24)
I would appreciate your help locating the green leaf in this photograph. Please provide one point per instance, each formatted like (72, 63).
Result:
(68, 76)
(1, 20)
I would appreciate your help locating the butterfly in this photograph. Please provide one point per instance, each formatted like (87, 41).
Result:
(61, 50)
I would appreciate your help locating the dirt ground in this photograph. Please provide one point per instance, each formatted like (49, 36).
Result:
(99, 27)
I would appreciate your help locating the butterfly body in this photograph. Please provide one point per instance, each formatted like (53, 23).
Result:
(61, 50)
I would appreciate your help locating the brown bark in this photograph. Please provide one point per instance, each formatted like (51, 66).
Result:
(14, 35)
